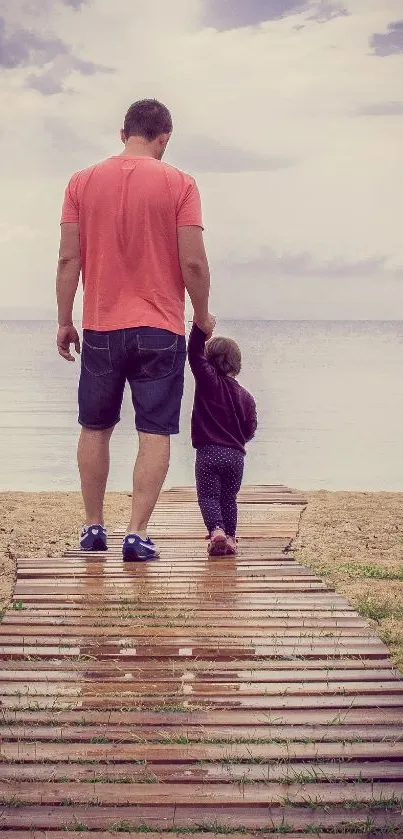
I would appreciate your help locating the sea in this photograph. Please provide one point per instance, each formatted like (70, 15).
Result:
(329, 398)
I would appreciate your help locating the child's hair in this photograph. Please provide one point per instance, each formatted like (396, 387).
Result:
(225, 355)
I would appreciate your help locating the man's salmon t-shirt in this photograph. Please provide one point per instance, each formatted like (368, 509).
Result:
(128, 210)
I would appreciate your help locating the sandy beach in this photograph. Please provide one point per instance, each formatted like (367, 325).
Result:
(355, 540)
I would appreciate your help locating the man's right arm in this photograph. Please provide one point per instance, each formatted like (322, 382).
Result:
(192, 254)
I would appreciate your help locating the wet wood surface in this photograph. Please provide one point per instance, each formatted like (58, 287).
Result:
(237, 694)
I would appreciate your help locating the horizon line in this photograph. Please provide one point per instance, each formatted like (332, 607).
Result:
(235, 319)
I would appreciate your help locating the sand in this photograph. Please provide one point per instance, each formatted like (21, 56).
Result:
(45, 524)
(354, 540)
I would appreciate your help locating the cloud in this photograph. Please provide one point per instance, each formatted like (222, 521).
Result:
(381, 109)
(326, 11)
(390, 42)
(52, 81)
(75, 4)
(205, 154)
(305, 265)
(234, 14)
(22, 48)
(45, 84)
(65, 142)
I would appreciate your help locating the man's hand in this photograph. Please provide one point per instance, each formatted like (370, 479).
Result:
(67, 335)
(206, 324)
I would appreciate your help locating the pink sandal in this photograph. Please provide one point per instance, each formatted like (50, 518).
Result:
(231, 546)
(218, 543)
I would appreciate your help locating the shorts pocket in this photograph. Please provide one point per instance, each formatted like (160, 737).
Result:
(157, 351)
(96, 354)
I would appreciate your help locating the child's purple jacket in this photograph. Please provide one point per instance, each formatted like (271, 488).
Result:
(224, 413)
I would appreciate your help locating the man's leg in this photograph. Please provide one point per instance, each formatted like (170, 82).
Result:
(93, 463)
(155, 361)
(149, 474)
(100, 395)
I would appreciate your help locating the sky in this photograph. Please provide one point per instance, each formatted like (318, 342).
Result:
(289, 114)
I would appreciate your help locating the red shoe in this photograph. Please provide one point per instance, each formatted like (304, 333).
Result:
(231, 546)
(218, 543)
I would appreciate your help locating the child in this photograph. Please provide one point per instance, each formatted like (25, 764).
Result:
(223, 420)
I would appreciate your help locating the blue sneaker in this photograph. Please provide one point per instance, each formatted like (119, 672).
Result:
(136, 549)
(93, 538)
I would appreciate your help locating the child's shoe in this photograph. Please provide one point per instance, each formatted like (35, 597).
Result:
(231, 546)
(218, 543)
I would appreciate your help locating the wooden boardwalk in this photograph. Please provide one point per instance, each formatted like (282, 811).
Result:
(207, 696)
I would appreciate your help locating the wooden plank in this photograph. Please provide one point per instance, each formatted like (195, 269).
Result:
(176, 557)
(352, 667)
(207, 598)
(96, 566)
(168, 817)
(192, 645)
(191, 671)
(133, 834)
(75, 590)
(195, 752)
(187, 773)
(186, 720)
(119, 571)
(25, 633)
(187, 619)
(133, 633)
(117, 651)
(277, 603)
(200, 690)
(129, 734)
(160, 703)
(107, 794)
(113, 652)
(304, 601)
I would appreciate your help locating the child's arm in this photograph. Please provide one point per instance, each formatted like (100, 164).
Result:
(200, 367)
(251, 420)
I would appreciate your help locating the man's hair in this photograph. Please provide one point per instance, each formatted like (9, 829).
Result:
(225, 355)
(147, 118)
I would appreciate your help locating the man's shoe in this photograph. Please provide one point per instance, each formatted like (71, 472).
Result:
(136, 549)
(93, 538)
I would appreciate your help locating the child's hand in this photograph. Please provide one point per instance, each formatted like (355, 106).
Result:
(207, 324)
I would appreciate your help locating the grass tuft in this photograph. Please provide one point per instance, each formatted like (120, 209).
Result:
(370, 572)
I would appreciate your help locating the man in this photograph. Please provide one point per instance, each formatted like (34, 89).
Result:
(132, 225)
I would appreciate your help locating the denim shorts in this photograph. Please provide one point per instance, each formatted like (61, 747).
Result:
(151, 360)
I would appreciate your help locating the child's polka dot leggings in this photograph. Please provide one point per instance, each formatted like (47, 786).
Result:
(219, 472)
